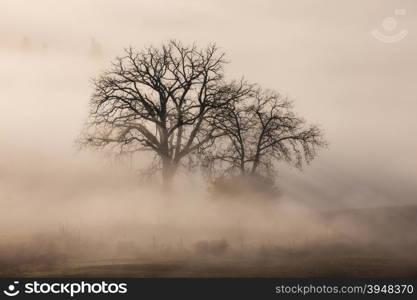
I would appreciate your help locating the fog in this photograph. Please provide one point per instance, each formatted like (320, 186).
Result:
(321, 53)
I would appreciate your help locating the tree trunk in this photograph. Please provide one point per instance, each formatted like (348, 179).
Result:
(168, 171)
(255, 166)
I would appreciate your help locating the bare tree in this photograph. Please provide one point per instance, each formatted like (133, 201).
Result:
(259, 130)
(160, 100)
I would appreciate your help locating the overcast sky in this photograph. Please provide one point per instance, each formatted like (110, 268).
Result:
(320, 52)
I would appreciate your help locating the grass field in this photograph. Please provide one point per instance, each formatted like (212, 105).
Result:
(389, 252)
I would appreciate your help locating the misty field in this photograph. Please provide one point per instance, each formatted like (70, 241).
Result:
(381, 245)
(170, 139)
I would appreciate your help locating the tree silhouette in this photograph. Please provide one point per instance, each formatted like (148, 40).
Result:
(258, 130)
(163, 101)
(174, 103)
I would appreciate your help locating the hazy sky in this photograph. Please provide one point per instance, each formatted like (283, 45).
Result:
(320, 52)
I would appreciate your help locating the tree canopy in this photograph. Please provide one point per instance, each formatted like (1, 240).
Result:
(258, 130)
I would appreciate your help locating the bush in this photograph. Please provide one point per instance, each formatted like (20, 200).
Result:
(238, 186)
